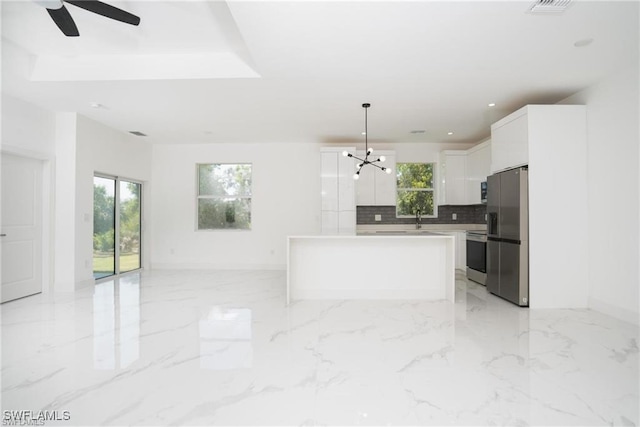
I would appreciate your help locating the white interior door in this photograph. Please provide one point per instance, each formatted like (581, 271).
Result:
(21, 227)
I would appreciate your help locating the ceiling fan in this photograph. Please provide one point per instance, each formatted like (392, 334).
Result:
(64, 21)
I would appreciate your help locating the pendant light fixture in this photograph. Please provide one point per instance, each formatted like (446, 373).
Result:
(364, 162)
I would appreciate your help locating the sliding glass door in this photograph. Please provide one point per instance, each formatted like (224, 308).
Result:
(116, 226)
(104, 226)
(129, 232)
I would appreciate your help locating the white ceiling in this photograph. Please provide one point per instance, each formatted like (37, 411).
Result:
(276, 71)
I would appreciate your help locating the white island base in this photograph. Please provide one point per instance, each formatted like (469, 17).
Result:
(371, 267)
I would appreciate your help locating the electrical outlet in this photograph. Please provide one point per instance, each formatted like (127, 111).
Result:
(454, 216)
(378, 217)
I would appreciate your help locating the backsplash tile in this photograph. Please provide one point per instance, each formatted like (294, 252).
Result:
(471, 214)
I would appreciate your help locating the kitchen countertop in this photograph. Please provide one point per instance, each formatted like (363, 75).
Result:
(411, 228)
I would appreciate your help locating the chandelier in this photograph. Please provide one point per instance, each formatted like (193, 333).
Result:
(368, 151)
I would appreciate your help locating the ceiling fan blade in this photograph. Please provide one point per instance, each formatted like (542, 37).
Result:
(104, 9)
(64, 21)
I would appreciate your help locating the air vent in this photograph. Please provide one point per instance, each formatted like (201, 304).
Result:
(136, 133)
(418, 131)
(549, 6)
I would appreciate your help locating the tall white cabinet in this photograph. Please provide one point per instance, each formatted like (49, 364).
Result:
(552, 140)
(338, 214)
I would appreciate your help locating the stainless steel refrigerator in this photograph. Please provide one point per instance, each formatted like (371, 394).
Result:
(508, 235)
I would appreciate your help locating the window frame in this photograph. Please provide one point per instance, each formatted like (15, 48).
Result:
(433, 189)
(199, 197)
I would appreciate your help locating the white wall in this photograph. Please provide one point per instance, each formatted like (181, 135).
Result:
(65, 203)
(104, 150)
(286, 201)
(27, 129)
(613, 138)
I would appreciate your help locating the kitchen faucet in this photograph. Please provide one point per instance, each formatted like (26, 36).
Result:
(418, 219)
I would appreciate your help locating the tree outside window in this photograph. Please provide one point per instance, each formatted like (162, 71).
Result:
(224, 196)
(415, 189)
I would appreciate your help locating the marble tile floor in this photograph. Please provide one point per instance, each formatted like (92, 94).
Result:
(222, 348)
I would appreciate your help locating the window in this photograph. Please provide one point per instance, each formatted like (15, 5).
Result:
(224, 196)
(415, 189)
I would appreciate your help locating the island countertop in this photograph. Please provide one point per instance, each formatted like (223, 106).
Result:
(387, 266)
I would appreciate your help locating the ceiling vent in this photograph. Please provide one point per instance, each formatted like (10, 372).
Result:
(549, 6)
(136, 133)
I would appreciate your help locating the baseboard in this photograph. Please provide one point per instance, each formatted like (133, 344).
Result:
(615, 311)
(213, 266)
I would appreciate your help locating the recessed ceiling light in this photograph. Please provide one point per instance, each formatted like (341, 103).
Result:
(583, 42)
(363, 133)
(450, 133)
(96, 105)
(493, 104)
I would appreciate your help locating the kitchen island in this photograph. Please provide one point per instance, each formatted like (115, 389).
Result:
(407, 266)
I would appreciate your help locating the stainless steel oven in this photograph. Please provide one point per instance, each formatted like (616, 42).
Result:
(477, 256)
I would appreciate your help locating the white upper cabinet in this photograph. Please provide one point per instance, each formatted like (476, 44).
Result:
(453, 187)
(386, 182)
(478, 168)
(510, 141)
(375, 187)
(461, 172)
